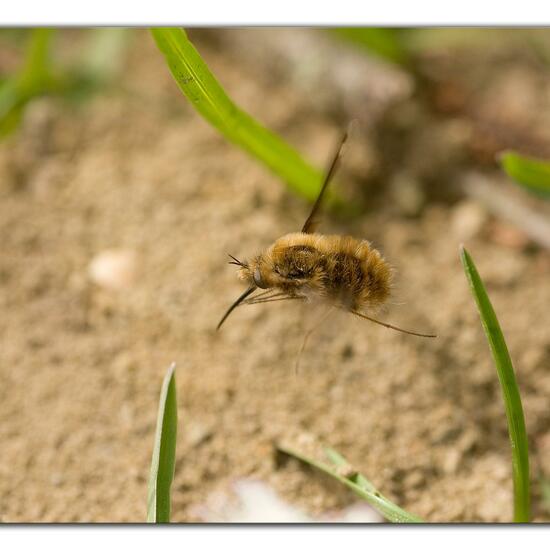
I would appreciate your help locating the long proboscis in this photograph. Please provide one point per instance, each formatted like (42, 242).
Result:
(242, 297)
(387, 325)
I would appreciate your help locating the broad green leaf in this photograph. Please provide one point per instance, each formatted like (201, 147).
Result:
(358, 484)
(164, 453)
(209, 98)
(533, 174)
(510, 391)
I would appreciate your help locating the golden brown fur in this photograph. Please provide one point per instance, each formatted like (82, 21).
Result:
(343, 270)
(346, 272)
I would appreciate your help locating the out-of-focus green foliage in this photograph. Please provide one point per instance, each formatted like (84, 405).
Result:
(388, 43)
(531, 173)
(103, 55)
(40, 75)
(33, 78)
(403, 46)
(545, 490)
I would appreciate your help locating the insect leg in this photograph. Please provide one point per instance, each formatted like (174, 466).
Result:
(308, 334)
(387, 325)
(275, 298)
(265, 294)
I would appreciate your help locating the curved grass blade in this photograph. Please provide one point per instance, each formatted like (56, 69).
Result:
(164, 453)
(531, 173)
(358, 484)
(209, 98)
(510, 391)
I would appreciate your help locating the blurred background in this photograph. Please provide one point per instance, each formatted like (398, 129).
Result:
(119, 205)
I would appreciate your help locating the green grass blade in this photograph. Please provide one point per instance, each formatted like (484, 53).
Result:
(510, 391)
(33, 78)
(36, 70)
(209, 98)
(359, 485)
(164, 453)
(10, 106)
(532, 173)
(340, 462)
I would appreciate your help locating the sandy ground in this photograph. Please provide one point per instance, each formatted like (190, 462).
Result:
(136, 169)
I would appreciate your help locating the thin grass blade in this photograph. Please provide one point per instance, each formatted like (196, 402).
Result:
(36, 70)
(209, 98)
(164, 453)
(358, 484)
(510, 391)
(531, 173)
(340, 462)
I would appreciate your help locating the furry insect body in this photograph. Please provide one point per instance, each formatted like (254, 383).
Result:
(339, 269)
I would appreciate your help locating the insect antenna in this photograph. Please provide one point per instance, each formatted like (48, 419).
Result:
(312, 222)
(242, 297)
(387, 325)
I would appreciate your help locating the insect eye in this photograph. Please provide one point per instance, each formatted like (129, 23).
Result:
(258, 278)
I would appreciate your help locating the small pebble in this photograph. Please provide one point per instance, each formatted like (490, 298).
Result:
(113, 269)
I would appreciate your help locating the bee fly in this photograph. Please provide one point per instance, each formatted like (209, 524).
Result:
(340, 270)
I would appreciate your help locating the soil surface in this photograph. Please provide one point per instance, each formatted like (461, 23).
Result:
(137, 172)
